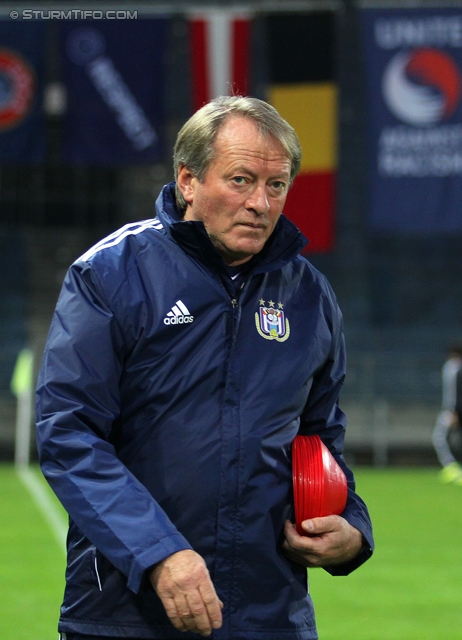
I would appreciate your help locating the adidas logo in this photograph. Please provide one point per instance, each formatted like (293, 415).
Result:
(179, 314)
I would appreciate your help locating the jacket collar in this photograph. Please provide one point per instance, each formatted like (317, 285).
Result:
(285, 242)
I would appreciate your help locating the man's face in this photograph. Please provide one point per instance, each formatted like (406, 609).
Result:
(243, 192)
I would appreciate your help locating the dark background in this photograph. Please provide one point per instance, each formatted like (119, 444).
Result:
(401, 295)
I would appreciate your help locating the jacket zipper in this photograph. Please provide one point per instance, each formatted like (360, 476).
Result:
(234, 301)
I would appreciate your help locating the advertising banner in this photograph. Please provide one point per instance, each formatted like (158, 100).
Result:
(114, 75)
(413, 61)
(22, 131)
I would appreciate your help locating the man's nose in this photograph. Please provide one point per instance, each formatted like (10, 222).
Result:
(258, 200)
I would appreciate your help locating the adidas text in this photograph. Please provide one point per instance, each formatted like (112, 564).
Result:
(179, 320)
(179, 314)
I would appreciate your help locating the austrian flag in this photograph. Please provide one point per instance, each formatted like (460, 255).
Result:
(220, 46)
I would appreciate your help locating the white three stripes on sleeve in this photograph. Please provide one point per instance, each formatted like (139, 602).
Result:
(131, 229)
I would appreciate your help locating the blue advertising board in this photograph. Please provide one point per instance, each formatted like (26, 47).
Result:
(114, 75)
(413, 63)
(22, 130)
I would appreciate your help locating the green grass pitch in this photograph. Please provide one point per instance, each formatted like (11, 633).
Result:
(31, 565)
(410, 590)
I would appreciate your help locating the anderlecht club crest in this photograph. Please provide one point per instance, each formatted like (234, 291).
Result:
(271, 322)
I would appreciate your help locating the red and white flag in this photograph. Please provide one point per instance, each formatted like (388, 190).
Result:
(220, 56)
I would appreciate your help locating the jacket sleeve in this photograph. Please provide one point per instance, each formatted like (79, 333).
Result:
(322, 416)
(77, 403)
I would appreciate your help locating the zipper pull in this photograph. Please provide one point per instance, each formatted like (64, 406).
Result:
(234, 303)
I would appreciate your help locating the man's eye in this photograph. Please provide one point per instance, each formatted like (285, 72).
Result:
(278, 185)
(239, 179)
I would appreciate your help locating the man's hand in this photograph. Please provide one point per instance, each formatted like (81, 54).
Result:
(182, 582)
(329, 540)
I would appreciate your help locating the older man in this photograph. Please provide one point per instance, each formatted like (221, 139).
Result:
(185, 354)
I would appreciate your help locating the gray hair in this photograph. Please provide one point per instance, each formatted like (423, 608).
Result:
(195, 144)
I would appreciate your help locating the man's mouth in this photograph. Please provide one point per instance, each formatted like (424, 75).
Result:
(252, 225)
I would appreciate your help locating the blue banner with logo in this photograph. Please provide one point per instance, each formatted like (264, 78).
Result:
(413, 60)
(22, 131)
(114, 74)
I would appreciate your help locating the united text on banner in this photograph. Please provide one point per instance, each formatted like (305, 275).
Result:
(413, 62)
(22, 130)
(114, 74)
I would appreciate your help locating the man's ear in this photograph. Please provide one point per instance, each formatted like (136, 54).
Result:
(185, 182)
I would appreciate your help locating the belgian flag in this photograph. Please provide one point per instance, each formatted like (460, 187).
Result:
(302, 88)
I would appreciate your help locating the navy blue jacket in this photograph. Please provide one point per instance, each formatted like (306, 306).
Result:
(167, 404)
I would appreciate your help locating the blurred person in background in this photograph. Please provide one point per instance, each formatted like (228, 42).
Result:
(185, 354)
(448, 419)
